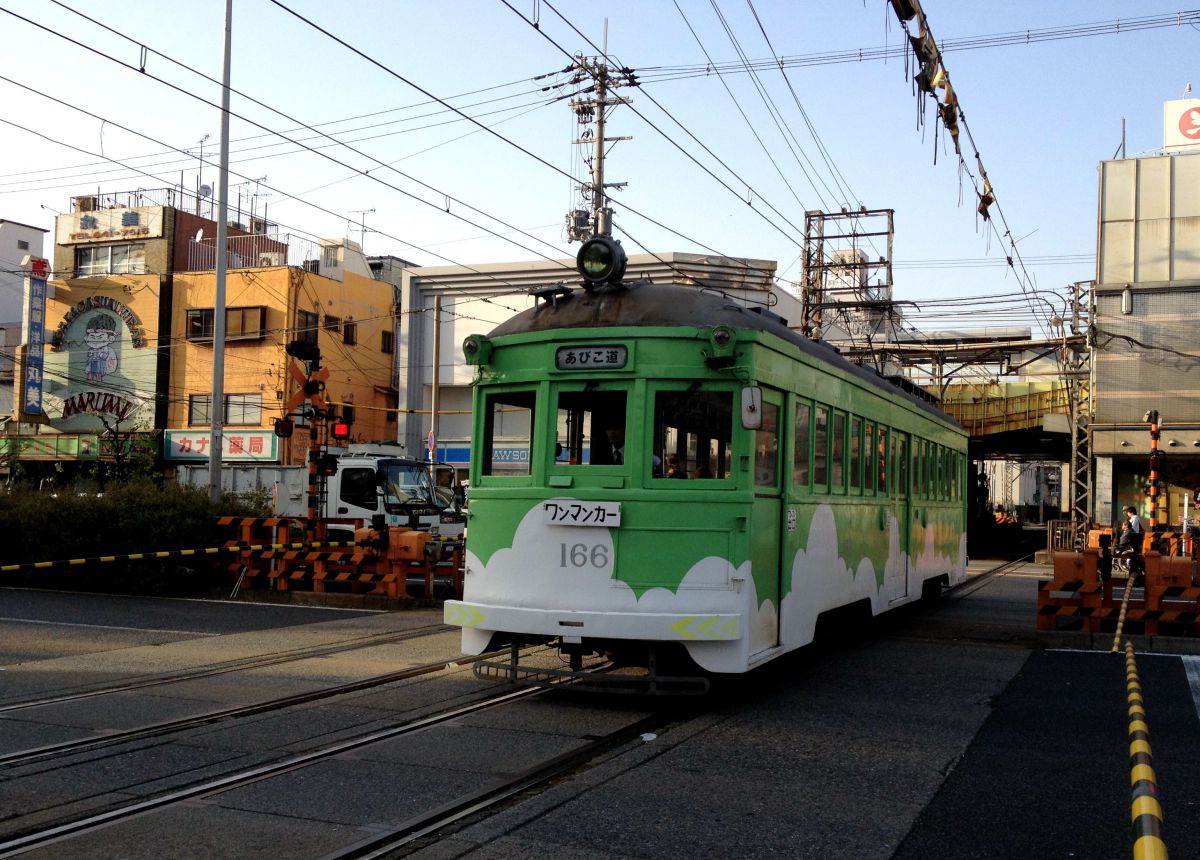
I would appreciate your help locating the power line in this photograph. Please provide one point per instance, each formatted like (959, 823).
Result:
(1190, 17)
(322, 154)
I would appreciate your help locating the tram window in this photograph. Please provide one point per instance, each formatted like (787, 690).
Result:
(901, 465)
(855, 453)
(821, 450)
(869, 445)
(800, 464)
(692, 433)
(508, 433)
(839, 452)
(881, 448)
(766, 447)
(919, 467)
(590, 428)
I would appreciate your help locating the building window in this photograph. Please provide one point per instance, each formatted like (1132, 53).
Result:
(306, 327)
(248, 323)
(350, 333)
(387, 341)
(199, 410)
(22, 245)
(333, 323)
(243, 409)
(240, 409)
(110, 260)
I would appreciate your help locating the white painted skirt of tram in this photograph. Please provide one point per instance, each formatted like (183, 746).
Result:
(714, 612)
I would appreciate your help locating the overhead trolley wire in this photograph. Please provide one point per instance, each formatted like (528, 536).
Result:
(366, 173)
(539, 159)
(1189, 17)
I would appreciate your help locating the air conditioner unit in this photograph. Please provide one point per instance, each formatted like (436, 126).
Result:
(270, 258)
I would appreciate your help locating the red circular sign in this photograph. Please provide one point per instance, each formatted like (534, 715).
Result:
(1189, 124)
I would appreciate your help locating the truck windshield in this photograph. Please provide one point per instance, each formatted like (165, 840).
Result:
(406, 484)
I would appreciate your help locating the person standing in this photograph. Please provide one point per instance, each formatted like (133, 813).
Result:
(1134, 536)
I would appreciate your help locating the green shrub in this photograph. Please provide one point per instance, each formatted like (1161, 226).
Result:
(132, 517)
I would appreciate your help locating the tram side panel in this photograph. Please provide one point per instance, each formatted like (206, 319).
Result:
(544, 562)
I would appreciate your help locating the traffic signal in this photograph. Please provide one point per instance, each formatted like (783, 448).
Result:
(305, 351)
(327, 465)
(341, 430)
(284, 427)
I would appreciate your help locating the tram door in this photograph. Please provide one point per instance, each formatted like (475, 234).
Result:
(766, 528)
(901, 504)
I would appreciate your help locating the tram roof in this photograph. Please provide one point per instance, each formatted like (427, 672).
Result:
(642, 303)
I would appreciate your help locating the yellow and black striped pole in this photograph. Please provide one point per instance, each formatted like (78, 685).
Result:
(1156, 465)
(169, 553)
(1145, 811)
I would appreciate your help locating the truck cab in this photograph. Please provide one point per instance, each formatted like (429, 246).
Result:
(411, 493)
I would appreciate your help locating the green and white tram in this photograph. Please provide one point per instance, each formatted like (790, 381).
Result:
(658, 469)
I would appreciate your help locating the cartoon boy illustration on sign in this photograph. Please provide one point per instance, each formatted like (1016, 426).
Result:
(100, 336)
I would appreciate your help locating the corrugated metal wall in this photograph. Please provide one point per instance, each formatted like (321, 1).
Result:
(1149, 231)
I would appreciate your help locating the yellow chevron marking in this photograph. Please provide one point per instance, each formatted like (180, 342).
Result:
(460, 615)
(706, 627)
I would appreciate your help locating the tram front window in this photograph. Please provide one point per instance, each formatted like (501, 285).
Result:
(508, 433)
(591, 428)
(692, 431)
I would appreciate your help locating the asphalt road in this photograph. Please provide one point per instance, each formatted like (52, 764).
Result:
(38, 625)
(934, 734)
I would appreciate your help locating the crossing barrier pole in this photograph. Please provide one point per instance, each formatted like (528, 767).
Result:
(1145, 809)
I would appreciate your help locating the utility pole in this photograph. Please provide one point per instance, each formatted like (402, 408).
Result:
(1076, 364)
(582, 224)
(436, 400)
(217, 404)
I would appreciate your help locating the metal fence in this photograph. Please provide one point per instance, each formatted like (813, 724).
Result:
(260, 249)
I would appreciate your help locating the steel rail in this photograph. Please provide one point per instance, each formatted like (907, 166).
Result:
(381, 844)
(57, 833)
(167, 727)
(232, 666)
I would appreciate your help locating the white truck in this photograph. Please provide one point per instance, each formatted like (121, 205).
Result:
(414, 493)
(368, 481)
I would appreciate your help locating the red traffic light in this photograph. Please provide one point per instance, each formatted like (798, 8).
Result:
(341, 430)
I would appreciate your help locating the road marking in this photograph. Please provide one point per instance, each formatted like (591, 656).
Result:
(1191, 665)
(109, 627)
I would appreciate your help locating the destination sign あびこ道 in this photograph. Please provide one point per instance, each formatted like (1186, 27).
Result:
(603, 357)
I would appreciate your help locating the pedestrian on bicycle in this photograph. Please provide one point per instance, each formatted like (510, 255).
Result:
(1132, 539)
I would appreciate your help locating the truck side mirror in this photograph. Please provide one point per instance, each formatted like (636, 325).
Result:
(752, 407)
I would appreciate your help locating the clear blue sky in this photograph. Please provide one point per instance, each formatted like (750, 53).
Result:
(1042, 114)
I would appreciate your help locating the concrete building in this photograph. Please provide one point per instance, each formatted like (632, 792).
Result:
(127, 364)
(17, 241)
(1147, 312)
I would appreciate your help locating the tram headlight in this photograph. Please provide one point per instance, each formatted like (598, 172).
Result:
(601, 260)
(477, 349)
(722, 342)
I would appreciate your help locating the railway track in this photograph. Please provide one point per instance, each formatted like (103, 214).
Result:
(441, 812)
(168, 727)
(226, 667)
